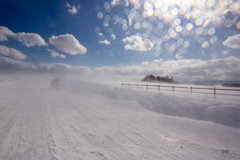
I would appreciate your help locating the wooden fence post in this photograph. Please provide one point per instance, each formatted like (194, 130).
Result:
(191, 90)
(214, 91)
(158, 88)
(147, 86)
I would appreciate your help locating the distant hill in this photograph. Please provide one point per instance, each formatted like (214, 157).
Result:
(152, 78)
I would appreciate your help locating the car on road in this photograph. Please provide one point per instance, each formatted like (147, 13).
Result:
(57, 84)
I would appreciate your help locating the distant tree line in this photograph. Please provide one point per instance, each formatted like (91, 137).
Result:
(152, 78)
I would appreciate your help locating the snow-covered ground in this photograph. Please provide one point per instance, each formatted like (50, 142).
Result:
(92, 120)
(7, 83)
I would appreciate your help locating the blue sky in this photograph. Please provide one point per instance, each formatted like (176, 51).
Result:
(122, 37)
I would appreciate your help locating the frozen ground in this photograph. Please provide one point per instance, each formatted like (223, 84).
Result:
(7, 83)
(89, 120)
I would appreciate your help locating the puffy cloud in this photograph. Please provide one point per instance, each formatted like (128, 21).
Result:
(137, 43)
(105, 42)
(184, 70)
(232, 41)
(72, 9)
(62, 56)
(55, 54)
(50, 50)
(145, 63)
(100, 34)
(5, 33)
(68, 44)
(11, 52)
(30, 39)
(27, 39)
(225, 52)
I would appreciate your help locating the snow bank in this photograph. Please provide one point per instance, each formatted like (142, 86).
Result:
(222, 113)
(202, 121)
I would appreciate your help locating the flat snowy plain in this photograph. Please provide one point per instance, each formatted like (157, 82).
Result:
(104, 121)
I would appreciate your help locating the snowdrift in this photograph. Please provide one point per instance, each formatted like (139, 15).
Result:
(207, 110)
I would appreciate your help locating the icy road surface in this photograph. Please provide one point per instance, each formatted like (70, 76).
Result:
(90, 122)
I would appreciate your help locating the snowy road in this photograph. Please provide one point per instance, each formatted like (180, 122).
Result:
(37, 122)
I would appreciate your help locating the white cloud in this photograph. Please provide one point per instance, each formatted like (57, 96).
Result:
(100, 34)
(27, 39)
(62, 56)
(62, 67)
(233, 41)
(50, 50)
(55, 54)
(9, 65)
(184, 70)
(11, 52)
(137, 43)
(105, 42)
(5, 33)
(145, 63)
(30, 39)
(72, 9)
(68, 44)
(225, 52)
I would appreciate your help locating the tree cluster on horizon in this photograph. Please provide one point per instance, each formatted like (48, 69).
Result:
(152, 78)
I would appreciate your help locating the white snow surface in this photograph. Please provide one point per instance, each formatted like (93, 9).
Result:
(104, 121)
(7, 83)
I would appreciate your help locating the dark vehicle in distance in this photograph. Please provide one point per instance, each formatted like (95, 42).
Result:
(57, 84)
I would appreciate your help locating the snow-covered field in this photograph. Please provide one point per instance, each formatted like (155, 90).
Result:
(94, 121)
(7, 83)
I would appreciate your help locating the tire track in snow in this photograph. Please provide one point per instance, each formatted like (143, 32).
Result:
(63, 136)
(14, 113)
(116, 133)
(77, 140)
(133, 143)
(48, 128)
(84, 131)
